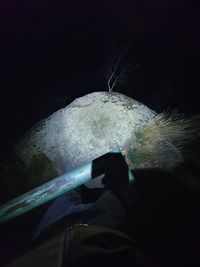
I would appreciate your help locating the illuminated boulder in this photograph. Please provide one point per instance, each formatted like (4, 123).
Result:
(91, 126)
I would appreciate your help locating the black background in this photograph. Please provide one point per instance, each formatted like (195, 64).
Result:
(54, 51)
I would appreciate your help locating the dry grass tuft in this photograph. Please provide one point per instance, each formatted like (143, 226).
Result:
(172, 127)
(155, 141)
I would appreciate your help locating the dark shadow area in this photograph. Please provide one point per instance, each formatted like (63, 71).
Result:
(164, 220)
(52, 52)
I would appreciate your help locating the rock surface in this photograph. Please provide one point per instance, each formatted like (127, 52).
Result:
(89, 127)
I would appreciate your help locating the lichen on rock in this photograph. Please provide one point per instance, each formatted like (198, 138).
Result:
(89, 127)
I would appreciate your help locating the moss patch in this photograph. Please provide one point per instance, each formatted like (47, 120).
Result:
(16, 178)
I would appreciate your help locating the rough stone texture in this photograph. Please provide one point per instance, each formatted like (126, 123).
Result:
(86, 129)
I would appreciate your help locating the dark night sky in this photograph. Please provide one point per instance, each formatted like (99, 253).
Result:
(52, 51)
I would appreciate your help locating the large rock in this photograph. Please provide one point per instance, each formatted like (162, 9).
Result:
(86, 129)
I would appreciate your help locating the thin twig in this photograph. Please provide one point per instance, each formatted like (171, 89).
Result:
(112, 75)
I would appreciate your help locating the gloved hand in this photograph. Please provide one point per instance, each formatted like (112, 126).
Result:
(114, 167)
(116, 178)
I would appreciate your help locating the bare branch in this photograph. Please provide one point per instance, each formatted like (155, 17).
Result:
(112, 75)
(122, 76)
(117, 79)
(117, 73)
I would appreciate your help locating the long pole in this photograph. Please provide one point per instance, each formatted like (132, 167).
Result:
(45, 192)
(50, 190)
